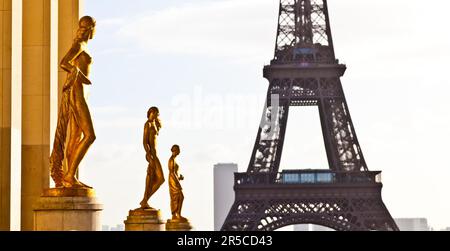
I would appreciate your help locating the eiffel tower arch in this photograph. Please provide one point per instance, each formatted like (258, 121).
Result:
(305, 72)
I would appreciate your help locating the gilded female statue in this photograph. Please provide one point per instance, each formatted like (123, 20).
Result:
(175, 189)
(155, 175)
(74, 120)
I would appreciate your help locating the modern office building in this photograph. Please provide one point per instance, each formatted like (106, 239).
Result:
(302, 228)
(223, 192)
(117, 228)
(310, 227)
(413, 224)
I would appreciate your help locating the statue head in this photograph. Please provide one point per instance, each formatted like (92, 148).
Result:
(153, 113)
(86, 28)
(153, 116)
(175, 150)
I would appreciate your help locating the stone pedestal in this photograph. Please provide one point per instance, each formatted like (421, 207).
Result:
(176, 225)
(144, 220)
(62, 209)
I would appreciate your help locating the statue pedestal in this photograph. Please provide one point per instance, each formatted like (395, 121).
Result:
(63, 209)
(144, 220)
(175, 225)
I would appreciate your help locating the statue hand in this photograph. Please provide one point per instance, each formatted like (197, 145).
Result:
(84, 79)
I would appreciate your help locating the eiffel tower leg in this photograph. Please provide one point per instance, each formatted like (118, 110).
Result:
(268, 147)
(344, 152)
(372, 215)
(244, 215)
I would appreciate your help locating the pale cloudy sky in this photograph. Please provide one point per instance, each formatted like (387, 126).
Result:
(201, 62)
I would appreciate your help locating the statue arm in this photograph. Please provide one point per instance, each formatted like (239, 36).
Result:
(158, 123)
(67, 62)
(172, 170)
(171, 166)
(145, 139)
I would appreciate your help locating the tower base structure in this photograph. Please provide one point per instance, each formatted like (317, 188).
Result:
(339, 200)
(62, 209)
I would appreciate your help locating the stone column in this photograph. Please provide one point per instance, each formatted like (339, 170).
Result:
(35, 104)
(144, 220)
(5, 112)
(177, 225)
(68, 210)
(69, 13)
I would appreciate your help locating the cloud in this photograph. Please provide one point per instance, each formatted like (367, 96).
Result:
(110, 22)
(115, 117)
(220, 29)
(107, 110)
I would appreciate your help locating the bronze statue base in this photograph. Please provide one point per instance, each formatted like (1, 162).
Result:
(144, 220)
(178, 225)
(154, 213)
(69, 192)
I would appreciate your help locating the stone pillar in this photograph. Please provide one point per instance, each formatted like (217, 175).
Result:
(35, 104)
(61, 209)
(178, 226)
(69, 13)
(29, 87)
(144, 220)
(5, 112)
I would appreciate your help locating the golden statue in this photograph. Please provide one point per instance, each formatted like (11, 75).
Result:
(155, 175)
(74, 120)
(175, 189)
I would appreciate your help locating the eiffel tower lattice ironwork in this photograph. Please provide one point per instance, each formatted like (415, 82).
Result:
(305, 72)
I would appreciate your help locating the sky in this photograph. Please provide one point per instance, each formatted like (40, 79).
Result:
(200, 62)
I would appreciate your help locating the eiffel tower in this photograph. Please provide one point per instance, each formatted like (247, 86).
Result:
(305, 72)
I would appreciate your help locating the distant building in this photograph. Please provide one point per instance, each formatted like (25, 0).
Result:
(302, 228)
(413, 224)
(310, 227)
(318, 228)
(223, 192)
(118, 228)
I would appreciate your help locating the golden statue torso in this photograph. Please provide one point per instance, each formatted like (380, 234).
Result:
(152, 133)
(174, 182)
(83, 62)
